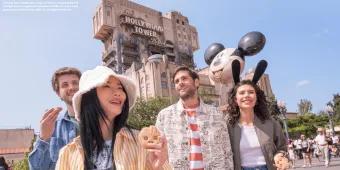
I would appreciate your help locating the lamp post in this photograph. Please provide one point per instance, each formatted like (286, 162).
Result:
(283, 111)
(329, 111)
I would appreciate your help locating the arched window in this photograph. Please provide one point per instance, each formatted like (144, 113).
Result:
(164, 81)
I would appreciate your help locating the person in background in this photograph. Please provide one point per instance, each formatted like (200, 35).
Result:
(322, 144)
(3, 164)
(291, 153)
(298, 148)
(335, 139)
(56, 132)
(306, 151)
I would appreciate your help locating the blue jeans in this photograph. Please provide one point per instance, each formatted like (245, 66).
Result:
(261, 167)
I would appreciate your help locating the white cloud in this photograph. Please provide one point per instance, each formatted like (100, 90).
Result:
(321, 33)
(302, 83)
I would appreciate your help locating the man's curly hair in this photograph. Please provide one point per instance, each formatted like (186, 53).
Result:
(261, 107)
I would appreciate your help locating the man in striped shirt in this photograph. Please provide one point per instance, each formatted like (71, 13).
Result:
(196, 132)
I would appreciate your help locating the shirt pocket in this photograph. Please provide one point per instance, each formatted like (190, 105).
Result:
(56, 145)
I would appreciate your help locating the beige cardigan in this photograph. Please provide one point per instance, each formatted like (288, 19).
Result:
(271, 139)
(128, 155)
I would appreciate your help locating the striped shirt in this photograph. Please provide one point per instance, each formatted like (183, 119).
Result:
(195, 157)
(128, 154)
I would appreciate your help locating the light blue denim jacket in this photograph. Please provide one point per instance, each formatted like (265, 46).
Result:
(45, 154)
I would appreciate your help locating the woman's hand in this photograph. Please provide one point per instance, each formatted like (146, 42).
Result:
(157, 154)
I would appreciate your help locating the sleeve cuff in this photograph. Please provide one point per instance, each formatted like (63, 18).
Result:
(42, 145)
(167, 166)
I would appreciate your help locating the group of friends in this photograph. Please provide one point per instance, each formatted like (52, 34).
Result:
(93, 132)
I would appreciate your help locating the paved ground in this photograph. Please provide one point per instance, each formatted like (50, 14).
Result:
(318, 165)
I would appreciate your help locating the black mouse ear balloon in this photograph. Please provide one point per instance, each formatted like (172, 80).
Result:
(236, 69)
(212, 51)
(251, 43)
(260, 68)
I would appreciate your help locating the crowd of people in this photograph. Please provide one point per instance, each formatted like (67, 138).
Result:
(324, 146)
(92, 133)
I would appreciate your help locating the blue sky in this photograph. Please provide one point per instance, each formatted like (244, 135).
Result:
(302, 45)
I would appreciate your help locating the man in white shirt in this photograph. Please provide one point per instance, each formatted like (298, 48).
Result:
(211, 134)
(298, 148)
(322, 144)
(335, 139)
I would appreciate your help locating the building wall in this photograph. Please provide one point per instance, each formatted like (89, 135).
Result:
(263, 83)
(14, 143)
(131, 33)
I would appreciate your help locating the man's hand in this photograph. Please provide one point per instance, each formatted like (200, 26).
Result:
(157, 154)
(47, 123)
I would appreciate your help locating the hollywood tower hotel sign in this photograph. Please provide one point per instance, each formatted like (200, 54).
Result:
(131, 33)
(142, 27)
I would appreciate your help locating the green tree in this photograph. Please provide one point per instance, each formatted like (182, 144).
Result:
(145, 112)
(305, 106)
(23, 164)
(274, 109)
(335, 104)
(306, 124)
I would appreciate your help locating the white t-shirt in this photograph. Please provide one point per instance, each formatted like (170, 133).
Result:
(298, 144)
(304, 143)
(291, 152)
(320, 139)
(250, 149)
(335, 139)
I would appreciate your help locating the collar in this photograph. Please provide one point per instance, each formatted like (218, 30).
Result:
(257, 122)
(66, 116)
(202, 108)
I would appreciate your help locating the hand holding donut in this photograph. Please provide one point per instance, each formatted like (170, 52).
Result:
(151, 140)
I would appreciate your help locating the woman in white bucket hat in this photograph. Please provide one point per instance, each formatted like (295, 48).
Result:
(102, 106)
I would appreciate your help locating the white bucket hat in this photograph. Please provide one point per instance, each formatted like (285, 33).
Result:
(97, 77)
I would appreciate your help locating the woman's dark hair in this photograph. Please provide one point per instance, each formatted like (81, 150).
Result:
(90, 131)
(261, 107)
(3, 163)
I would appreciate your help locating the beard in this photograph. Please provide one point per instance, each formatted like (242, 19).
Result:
(67, 100)
(188, 94)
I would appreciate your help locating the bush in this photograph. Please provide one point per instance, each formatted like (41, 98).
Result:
(145, 112)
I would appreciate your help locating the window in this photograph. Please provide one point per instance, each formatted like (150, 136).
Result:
(172, 85)
(164, 81)
(164, 84)
(163, 75)
(182, 22)
(177, 21)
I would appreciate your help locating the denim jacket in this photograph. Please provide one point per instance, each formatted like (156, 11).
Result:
(45, 154)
